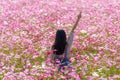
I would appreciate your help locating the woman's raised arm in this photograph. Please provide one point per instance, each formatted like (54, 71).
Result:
(76, 23)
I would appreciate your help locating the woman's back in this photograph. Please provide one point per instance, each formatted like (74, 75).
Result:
(67, 46)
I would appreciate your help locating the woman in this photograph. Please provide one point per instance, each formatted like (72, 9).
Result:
(61, 46)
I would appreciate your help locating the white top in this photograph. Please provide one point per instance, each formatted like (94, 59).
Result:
(69, 43)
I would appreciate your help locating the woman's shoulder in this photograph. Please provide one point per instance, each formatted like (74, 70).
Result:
(71, 33)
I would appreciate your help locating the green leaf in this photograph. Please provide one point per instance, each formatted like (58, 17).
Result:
(6, 52)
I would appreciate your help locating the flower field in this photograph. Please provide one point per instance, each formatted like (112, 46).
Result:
(27, 31)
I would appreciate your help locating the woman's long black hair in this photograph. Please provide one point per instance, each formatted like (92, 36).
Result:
(60, 42)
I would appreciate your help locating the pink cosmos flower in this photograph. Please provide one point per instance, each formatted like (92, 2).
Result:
(9, 78)
(51, 51)
(90, 78)
(40, 77)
